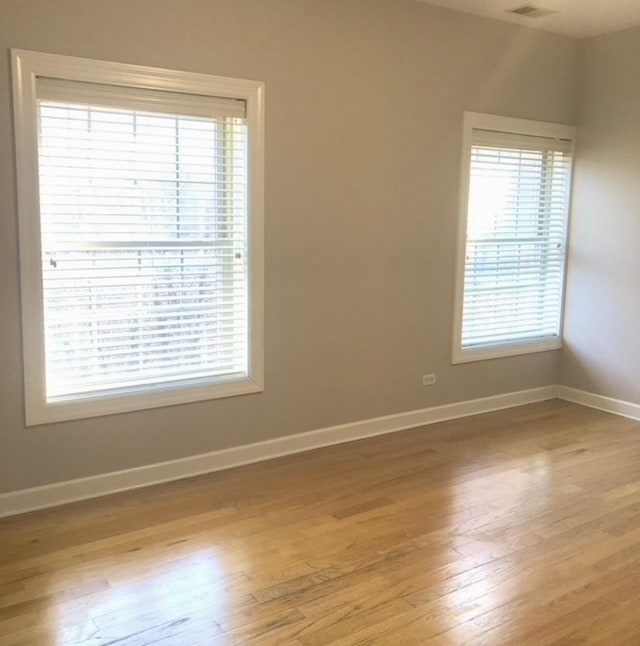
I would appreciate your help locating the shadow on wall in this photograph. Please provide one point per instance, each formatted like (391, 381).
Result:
(583, 372)
(582, 369)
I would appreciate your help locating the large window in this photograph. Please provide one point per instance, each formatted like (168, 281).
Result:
(140, 222)
(511, 252)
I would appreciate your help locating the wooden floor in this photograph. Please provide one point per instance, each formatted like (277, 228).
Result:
(517, 527)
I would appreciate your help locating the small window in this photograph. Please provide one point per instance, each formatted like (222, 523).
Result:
(140, 214)
(512, 237)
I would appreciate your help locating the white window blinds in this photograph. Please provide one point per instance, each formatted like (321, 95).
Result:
(143, 209)
(515, 240)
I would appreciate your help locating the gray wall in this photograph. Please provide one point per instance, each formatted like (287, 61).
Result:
(364, 114)
(602, 322)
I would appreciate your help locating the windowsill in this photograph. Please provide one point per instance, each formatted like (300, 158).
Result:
(504, 350)
(168, 395)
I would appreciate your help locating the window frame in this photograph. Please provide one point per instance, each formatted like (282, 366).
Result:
(479, 121)
(27, 67)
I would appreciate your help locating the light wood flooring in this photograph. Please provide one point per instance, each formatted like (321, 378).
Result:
(516, 527)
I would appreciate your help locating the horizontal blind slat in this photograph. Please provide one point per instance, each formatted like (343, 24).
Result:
(131, 379)
(129, 98)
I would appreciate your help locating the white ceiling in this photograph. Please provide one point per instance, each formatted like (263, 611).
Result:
(577, 18)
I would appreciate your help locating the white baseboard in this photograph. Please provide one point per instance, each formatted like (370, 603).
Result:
(25, 500)
(607, 404)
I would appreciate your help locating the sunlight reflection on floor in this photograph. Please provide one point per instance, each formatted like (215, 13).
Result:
(183, 593)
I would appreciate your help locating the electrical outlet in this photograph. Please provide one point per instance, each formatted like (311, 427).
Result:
(428, 380)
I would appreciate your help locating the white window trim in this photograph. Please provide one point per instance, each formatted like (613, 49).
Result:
(476, 120)
(27, 66)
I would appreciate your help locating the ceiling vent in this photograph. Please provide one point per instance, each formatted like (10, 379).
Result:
(530, 11)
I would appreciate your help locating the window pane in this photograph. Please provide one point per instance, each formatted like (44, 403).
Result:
(514, 261)
(143, 219)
